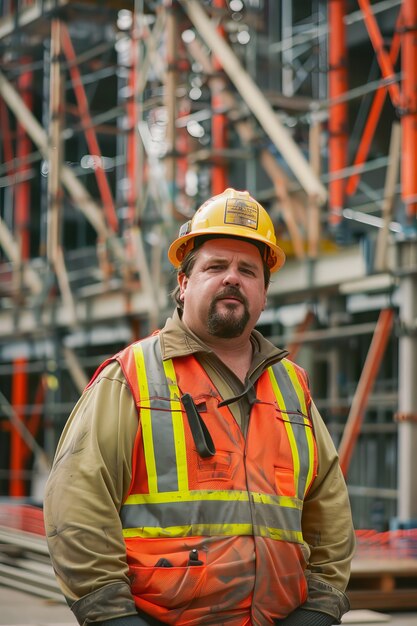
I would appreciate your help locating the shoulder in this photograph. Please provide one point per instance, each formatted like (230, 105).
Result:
(296, 372)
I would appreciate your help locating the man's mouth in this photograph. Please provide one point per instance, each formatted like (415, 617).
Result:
(231, 297)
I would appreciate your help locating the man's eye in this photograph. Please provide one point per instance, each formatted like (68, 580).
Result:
(215, 267)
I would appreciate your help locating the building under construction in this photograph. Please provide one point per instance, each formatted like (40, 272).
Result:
(119, 118)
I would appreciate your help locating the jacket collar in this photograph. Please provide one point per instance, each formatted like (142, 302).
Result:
(178, 340)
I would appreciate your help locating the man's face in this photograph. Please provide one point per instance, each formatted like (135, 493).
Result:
(225, 292)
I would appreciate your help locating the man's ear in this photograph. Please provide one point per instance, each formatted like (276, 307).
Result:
(182, 282)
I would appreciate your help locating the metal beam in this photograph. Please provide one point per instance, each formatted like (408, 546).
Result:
(255, 100)
(329, 271)
(106, 306)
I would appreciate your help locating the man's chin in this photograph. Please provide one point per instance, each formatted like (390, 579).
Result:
(228, 326)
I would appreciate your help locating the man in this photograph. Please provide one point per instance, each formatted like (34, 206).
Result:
(195, 482)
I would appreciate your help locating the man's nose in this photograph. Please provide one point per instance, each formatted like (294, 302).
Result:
(231, 277)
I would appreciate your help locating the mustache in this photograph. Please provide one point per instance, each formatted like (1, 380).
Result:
(231, 292)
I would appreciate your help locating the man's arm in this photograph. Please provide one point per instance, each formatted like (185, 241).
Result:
(328, 531)
(90, 476)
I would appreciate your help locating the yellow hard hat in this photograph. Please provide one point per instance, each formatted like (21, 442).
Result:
(231, 214)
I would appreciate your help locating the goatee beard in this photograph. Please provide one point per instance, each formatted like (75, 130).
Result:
(229, 324)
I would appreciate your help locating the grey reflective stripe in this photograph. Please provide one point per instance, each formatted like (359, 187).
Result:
(271, 514)
(161, 416)
(296, 417)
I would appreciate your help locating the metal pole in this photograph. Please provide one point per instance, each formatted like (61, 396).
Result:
(407, 404)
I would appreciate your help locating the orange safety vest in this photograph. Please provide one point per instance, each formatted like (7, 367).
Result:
(226, 523)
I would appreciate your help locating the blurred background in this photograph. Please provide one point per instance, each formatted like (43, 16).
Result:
(117, 120)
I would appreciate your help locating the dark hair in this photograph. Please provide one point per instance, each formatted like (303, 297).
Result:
(188, 263)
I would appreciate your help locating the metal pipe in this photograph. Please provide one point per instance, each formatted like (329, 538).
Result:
(407, 399)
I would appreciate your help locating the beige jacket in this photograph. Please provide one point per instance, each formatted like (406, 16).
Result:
(91, 474)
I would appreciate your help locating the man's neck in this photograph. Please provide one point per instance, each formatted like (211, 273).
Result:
(236, 353)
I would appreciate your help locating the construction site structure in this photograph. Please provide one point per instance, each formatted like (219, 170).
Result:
(118, 118)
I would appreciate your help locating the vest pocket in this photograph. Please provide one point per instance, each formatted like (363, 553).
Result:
(284, 481)
(168, 587)
(220, 467)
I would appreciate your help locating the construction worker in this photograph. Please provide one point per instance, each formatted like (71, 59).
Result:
(195, 481)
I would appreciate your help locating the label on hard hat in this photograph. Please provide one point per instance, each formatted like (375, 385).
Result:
(241, 213)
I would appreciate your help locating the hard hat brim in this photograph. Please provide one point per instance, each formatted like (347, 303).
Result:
(177, 249)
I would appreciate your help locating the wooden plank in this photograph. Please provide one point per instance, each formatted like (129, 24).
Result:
(399, 599)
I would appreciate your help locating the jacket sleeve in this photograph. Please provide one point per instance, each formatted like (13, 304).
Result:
(327, 530)
(90, 476)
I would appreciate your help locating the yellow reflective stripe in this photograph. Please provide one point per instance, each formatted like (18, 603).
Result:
(278, 534)
(177, 424)
(287, 501)
(211, 530)
(191, 496)
(288, 428)
(309, 431)
(191, 530)
(145, 419)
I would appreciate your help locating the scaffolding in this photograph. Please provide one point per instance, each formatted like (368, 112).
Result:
(118, 118)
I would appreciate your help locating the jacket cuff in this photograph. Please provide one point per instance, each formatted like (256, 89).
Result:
(129, 620)
(324, 598)
(303, 617)
(108, 602)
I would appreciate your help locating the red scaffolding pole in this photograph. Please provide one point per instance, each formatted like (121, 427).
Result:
(366, 382)
(93, 146)
(23, 148)
(409, 107)
(7, 138)
(22, 230)
(383, 58)
(17, 445)
(338, 111)
(374, 114)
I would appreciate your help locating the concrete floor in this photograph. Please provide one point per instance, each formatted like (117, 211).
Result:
(22, 609)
